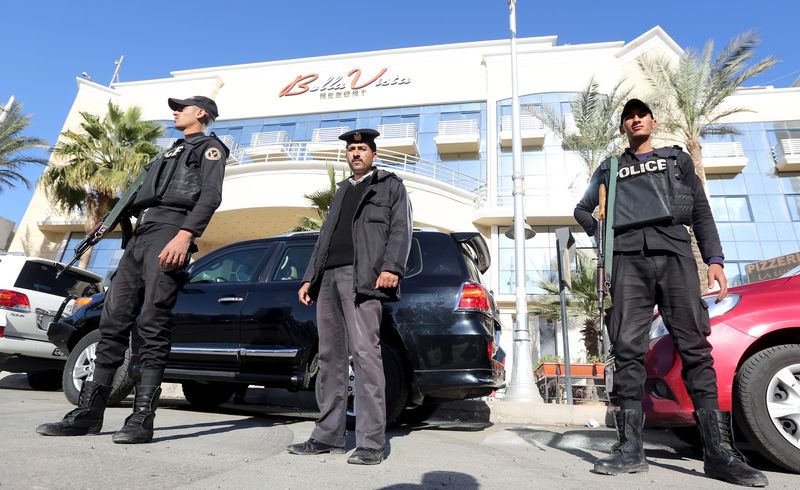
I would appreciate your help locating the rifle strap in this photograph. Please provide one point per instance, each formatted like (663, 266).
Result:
(608, 234)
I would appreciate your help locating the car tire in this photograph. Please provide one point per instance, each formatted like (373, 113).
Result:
(396, 391)
(80, 366)
(49, 380)
(766, 376)
(206, 396)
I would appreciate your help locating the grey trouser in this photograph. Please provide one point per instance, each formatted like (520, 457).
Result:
(344, 326)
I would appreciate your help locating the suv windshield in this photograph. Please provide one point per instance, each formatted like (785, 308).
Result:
(42, 278)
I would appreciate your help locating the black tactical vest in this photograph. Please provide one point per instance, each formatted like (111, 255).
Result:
(652, 192)
(174, 179)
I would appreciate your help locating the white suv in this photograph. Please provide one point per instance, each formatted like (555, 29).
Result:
(30, 296)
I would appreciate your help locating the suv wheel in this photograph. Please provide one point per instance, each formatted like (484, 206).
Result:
(208, 395)
(45, 380)
(396, 387)
(80, 367)
(768, 403)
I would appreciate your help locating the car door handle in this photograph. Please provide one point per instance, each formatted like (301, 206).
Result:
(230, 299)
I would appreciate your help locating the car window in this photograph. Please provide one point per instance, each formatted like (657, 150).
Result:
(472, 267)
(42, 278)
(292, 264)
(235, 266)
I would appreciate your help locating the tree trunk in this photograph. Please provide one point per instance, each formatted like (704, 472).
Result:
(591, 339)
(695, 150)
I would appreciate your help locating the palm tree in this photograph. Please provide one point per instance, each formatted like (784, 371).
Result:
(688, 97)
(14, 148)
(596, 134)
(102, 159)
(582, 303)
(321, 202)
(689, 94)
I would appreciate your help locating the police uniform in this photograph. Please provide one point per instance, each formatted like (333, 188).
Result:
(181, 191)
(654, 264)
(658, 195)
(367, 231)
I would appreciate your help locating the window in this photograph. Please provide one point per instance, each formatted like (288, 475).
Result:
(793, 200)
(105, 255)
(235, 266)
(293, 263)
(42, 278)
(731, 209)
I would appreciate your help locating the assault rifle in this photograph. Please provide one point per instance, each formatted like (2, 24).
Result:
(603, 279)
(119, 215)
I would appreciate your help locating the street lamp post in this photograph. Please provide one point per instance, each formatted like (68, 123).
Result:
(522, 387)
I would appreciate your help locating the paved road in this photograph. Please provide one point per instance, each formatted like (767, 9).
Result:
(243, 447)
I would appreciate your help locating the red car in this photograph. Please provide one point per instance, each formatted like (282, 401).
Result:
(755, 333)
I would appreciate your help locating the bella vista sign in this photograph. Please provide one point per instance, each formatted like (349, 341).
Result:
(337, 86)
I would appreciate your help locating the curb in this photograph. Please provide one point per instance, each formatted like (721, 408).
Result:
(496, 411)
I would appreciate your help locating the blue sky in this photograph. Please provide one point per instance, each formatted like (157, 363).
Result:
(44, 45)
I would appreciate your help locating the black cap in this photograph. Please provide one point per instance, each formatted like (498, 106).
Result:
(200, 101)
(366, 136)
(631, 106)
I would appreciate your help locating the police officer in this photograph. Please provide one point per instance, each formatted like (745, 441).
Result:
(657, 196)
(357, 263)
(181, 191)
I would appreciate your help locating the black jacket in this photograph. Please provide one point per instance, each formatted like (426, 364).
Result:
(382, 228)
(670, 236)
(202, 185)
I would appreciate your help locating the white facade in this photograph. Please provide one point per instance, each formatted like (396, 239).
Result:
(450, 156)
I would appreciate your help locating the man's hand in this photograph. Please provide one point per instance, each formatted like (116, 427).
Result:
(717, 274)
(303, 295)
(174, 253)
(387, 280)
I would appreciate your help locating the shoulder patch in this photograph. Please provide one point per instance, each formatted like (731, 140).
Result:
(212, 153)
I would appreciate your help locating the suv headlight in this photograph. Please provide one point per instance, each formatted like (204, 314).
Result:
(729, 302)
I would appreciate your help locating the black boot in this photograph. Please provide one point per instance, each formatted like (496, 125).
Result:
(87, 418)
(721, 460)
(138, 426)
(627, 455)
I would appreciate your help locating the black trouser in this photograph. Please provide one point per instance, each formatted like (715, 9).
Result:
(139, 289)
(639, 282)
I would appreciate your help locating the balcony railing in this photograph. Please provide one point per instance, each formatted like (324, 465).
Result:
(400, 137)
(399, 130)
(787, 155)
(327, 135)
(723, 157)
(527, 122)
(459, 136)
(237, 152)
(269, 138)
(723, 150)
(459, 127)
(165, 143)
(299, 151)
(531, 130)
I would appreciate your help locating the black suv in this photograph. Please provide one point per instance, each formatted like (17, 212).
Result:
(238, 322)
